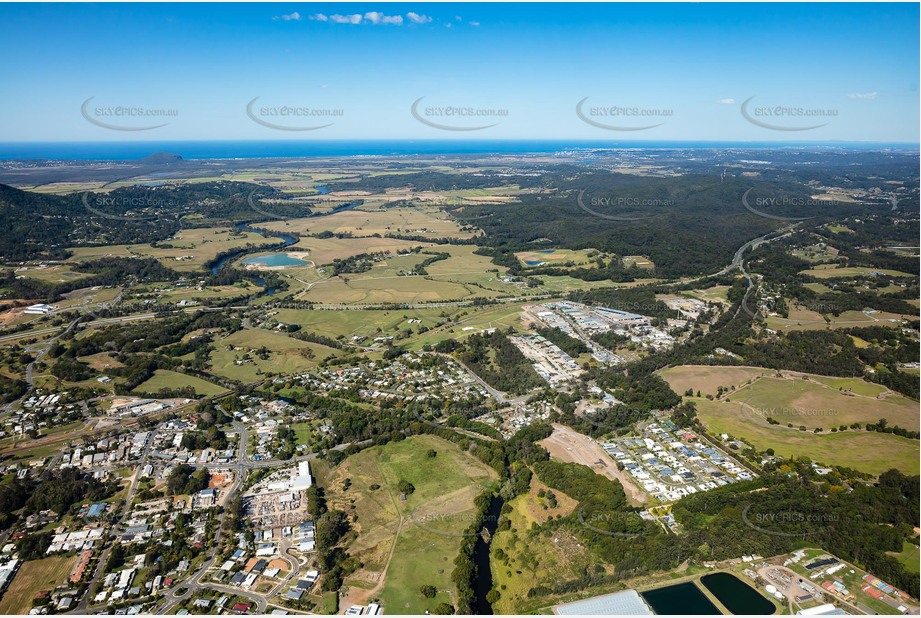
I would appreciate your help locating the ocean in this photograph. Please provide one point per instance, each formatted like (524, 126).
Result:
(237, 149)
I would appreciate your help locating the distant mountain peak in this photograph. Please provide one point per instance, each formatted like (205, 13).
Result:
(162, 157)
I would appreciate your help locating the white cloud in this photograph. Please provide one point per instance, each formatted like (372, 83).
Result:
(863, 95)
(375, 18)
(474, 23)
(378, 18)
(346, 19)
(416, 18)
(295, 16)
(728, 101)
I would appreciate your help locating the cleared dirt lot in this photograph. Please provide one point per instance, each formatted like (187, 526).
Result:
(566, 444)
(707, 378)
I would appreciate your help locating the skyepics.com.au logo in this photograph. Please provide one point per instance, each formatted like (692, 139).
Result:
(618, 207)
(782, 414)
(262, 209)
(615, 523)
(125, 117)
(102, 205)
(456, 117)
(788, 523)
(292, 117)
(621, 118)
(786, 117)
(453, 524)
(781, 208)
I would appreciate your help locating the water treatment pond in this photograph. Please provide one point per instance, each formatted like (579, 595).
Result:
(679, 599)
(736, 595)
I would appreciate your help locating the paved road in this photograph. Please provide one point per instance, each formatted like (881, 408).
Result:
(500, 396)
(60, 438)
(83, 605)
(192, 584)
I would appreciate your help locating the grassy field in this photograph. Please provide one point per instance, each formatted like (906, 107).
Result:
(164, 378)
(405, 545)
(359, 322)
(236, 356)
(375, 291)
(325, 250)
(816, 402)
(473, 321)
(799, 318)
(101, 361)
(192, 293)
(910, 556)
(815, 253)
(707, 379)
(532, 558)
(191, 248)
(424, 221)
(873, 453)
(718, 293)
(554, 257)
(853, 385)
(640, 261)
(33, 577)
(831, 271)
(303, 431)
(460, 276)
(803, 400)
(55, 273)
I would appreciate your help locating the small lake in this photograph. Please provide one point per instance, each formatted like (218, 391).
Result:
(686, 599)
(273, 260)
(736, 595)
(287, 241)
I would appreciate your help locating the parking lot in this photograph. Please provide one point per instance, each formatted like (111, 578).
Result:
(669, 463)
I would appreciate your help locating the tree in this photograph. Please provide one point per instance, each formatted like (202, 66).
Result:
(33, 546)
(428, 591)
(405, 487)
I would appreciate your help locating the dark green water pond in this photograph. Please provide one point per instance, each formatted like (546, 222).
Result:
(736, 595)
(679, 599)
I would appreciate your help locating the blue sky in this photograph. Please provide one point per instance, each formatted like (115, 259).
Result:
(686, 68)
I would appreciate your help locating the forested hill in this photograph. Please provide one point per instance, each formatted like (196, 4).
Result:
(686, 225)
(41, 226)
(35, 225)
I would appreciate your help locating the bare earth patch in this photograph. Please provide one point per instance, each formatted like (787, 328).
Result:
(568, 445)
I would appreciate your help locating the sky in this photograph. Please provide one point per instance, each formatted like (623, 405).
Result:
(738, 72)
